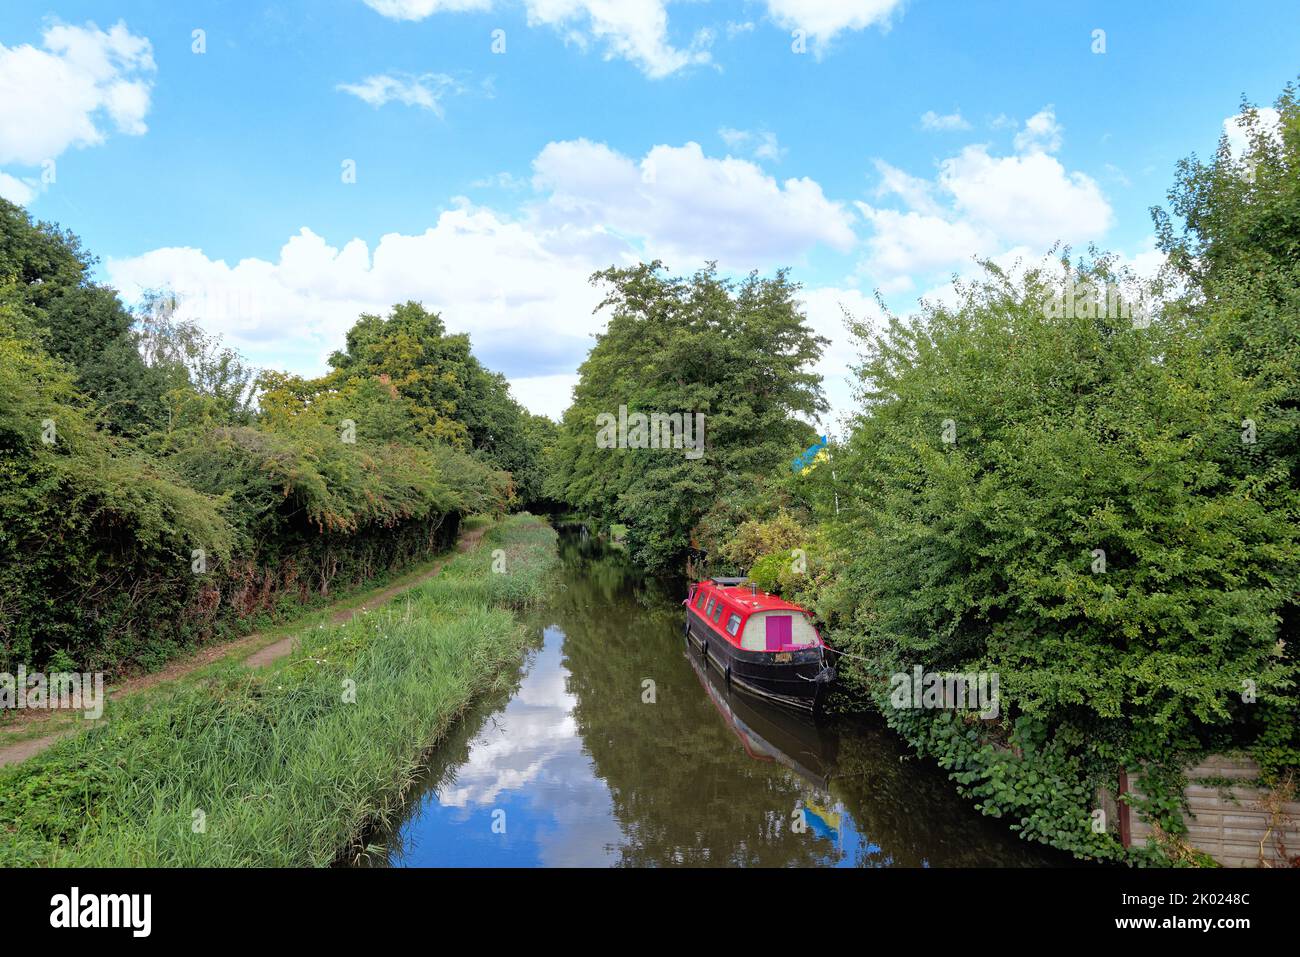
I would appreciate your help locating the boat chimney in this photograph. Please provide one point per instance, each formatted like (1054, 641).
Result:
(753, 589)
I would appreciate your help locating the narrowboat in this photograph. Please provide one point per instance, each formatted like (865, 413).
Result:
(759, 643)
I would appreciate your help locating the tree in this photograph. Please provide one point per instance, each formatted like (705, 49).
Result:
(735, 357)
(1066, 500)
(205, 379)
(448, 393)
(1234, 239)
(79, 321)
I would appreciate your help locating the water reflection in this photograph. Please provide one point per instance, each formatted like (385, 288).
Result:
(571, 766)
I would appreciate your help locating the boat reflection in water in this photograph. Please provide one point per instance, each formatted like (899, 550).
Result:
(771, 734)
(775, 735)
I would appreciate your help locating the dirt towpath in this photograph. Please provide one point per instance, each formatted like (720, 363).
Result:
(22, 750)
(281, 648)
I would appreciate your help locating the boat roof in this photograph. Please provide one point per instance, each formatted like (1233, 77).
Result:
(738, 594)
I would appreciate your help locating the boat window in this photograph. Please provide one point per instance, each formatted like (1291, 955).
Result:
(708, 609)
(699, 599)
(733, 623)
(717, 612)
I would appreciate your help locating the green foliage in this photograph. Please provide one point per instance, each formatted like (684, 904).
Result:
(739, 354)
(1236, 246)
(1042, 783)
(1100, 510)
(210, 383)
(446, 392)
(146, 506)
(1078, 440)
(1234, 240)
(93, 530)
(754, 539)
(1072, 435)
(77, 321)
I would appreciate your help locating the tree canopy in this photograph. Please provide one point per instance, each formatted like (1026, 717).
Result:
(739, 354)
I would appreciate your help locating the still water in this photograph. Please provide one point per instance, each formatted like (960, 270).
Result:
(574, 765)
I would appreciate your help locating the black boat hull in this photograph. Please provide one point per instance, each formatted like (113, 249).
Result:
(801, 683)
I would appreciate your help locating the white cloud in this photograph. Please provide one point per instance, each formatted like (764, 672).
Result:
(425, 91)
(635, 30)
(908, 242)
(58, 97)
(1025, 199)
(1118, 175)
(821, 20)
(688, 207)
(419, 9)
(761, 145)
(1042, 134)
(546, 395)
(980, 204)
(1147, 263)
(930, 120)
(503, 180)
(916, 193)
(20, 191)
(527, 306)
(824, 308)
(519, 285)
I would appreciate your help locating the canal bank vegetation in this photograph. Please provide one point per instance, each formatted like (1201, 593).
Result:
(287, 766)
(157, 493)
(1084, 481)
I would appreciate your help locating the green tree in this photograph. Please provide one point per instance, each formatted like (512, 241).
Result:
(1234, 239)
(95, 537)
(79, 321)
(1068, 499)
(450, 396)
(739, 354)
(207, 381)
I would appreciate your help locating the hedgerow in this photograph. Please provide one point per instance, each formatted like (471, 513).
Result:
(146, 508)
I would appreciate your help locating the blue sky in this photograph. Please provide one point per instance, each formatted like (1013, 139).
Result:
(903, 139)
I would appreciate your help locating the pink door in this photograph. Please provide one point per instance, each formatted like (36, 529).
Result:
(778, 632)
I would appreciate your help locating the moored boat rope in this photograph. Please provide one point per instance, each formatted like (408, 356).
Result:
(847, 654)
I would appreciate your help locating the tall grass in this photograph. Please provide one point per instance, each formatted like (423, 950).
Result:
(284, 767)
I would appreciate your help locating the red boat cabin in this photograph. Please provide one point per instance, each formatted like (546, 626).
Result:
(753, 620)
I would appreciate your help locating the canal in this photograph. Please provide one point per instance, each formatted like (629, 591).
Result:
(613, 747)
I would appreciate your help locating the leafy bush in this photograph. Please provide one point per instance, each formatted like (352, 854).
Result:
(96, 540)
(145, 507)
(1099, 504)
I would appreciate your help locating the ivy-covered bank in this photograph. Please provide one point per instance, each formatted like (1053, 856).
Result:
(157, 492)
(1075, 478)
(1087, 484)
(287, 766)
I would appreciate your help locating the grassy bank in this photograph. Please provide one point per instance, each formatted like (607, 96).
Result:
(22, 726)
(283, 766)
